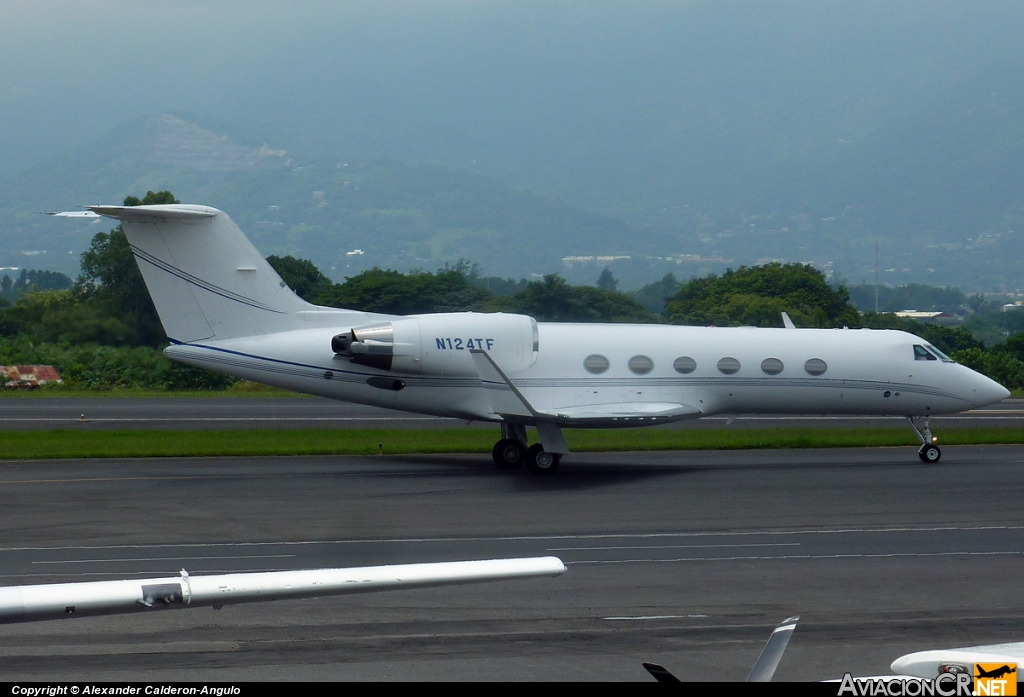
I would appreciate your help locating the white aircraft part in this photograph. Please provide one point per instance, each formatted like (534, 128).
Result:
(508, 401)
(225, 309)
(441, 344)
(925, 664)
(63, 600)
(771, 654)
(504, 399)
(551, 438)
(206, 278)
(630, 413)
(73, 214)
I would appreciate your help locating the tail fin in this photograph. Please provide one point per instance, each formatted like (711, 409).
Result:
(206, 278)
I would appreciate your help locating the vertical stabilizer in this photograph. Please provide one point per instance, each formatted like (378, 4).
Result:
(206, 278)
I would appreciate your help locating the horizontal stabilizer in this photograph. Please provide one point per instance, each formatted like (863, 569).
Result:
(153, 214)
(73, 214)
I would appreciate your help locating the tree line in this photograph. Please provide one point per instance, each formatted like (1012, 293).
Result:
(102, 330)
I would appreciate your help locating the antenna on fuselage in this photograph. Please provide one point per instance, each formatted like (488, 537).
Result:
(787, 322)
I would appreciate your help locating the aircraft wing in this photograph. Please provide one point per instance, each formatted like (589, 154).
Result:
(63, 600)
(623, 413)
(507, 400)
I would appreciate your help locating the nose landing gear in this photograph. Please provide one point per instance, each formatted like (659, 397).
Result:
(929, 452)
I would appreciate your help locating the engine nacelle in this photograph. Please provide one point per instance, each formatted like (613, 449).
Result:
(440, 344)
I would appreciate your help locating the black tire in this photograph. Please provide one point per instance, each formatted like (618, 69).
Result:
(508, 453)
(540, 461)
(929, 454)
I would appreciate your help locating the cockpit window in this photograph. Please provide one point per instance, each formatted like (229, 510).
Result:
(943, 357)
(922, 354)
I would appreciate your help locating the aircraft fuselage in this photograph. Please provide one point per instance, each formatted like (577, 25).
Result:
(715, 370)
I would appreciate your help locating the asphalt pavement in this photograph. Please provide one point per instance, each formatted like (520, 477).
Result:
(687, 559)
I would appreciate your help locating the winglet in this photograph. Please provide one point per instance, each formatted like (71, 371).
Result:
(770, 656)
(659, 673)
(787, 322)
(766, 664)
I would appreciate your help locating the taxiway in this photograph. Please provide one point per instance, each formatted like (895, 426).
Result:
(687, 559)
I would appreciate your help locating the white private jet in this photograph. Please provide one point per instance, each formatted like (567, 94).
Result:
(225, 309)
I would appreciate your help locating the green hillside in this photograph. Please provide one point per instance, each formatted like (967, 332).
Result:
(397, 215)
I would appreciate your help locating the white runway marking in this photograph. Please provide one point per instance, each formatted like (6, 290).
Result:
(752, 544)
(185, 559)
(656, 617)
(149, 574)
(527, 538)
(787, 557)
(231, 418)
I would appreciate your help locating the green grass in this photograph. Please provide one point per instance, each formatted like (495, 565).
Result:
(69, 443)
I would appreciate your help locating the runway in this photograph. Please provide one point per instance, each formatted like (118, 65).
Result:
(686, 559)
(186, 413)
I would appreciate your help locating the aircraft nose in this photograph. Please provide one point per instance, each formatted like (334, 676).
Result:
(988, 391)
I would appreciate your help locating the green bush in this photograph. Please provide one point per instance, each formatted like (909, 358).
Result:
(1003, 367)
(90, 366)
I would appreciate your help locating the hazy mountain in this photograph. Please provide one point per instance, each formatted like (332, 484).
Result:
(726, 131)
(345, 216)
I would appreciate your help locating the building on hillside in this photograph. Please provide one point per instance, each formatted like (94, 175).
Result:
(28, 376)
(924, 316)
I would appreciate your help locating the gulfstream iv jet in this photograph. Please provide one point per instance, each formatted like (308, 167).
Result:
(224, 308)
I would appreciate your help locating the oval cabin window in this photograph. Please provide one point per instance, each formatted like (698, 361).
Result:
(816, 366)
(684, 365)
(728, 365)
(772, 366)
(641, 365)
(595, 364)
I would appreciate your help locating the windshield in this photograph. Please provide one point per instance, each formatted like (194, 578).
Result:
(922, 354)
(939, 353)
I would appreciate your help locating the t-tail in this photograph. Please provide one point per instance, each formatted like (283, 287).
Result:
(206, 279)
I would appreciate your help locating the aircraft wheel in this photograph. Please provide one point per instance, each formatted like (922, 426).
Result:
(508, 453)
(929, 454)
(540, 461)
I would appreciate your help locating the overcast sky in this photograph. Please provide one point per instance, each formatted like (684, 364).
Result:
(447, 79)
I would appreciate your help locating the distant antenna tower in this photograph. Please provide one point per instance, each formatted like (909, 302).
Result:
(876, 277)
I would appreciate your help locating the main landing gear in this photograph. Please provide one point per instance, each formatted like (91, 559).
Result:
(511, 452)
(929, 452)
